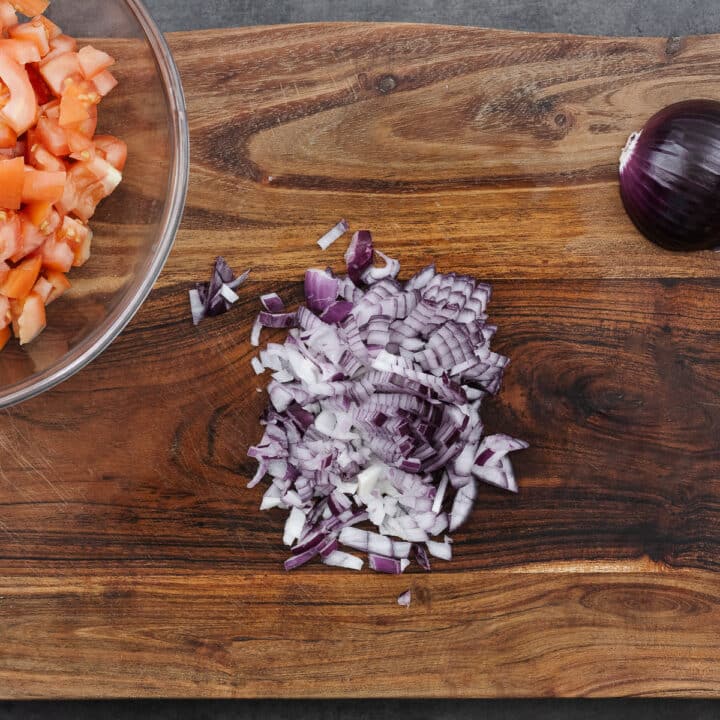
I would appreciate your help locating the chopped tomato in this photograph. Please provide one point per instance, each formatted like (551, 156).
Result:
(12, 174)
(52, 136)
(94, 61)
(53, 223)
(43, 186)
(20, 280)
(53, 31)
(5, 316)
(79, 238)
(42, 91)
(8, 137)
(73, 231)
(77, 141)
(115, 150)
(31, 7)
(43, 159)
(51, 109)
(43, 216)
(21, 51)
(43, 288)
(77, 102)
(73, 109)
(38, 213)
(21, 111)
(17, 151)
(105, 82)
(60, 45)
(54, 171)
(85, 189)
(59, 69)
(32, 238)
(105, 172)
(57, 255)
(81, 251)
(34, 31)
(10, 237)
(29, 318)
(59, 282)
(8, 18)
(88, 127)
(13, 152)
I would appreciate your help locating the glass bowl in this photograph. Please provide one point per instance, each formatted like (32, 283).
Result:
(135, 228)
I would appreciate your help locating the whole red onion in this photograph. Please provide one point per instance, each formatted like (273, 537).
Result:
(670, 176)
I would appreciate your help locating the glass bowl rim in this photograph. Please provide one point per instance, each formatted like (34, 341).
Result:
(106, 333)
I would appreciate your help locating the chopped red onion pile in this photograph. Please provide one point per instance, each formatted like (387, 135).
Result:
(374, 413)
(216, 297)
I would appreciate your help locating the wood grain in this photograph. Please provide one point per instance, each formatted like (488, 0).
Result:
(134, 562)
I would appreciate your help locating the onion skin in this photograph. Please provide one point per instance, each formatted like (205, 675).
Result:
(670, 176)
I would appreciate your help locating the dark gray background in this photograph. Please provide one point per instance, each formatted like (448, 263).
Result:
(603, 17)
(593, 17)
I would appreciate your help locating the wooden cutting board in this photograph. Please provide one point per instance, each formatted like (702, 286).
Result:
(133, 561)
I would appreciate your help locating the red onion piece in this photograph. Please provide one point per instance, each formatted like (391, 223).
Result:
(333, 235)
(272, 302)
(217, 296)
(337, 558)
(321, 290)
(405, 599)
(359, 255)
(391, 566)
